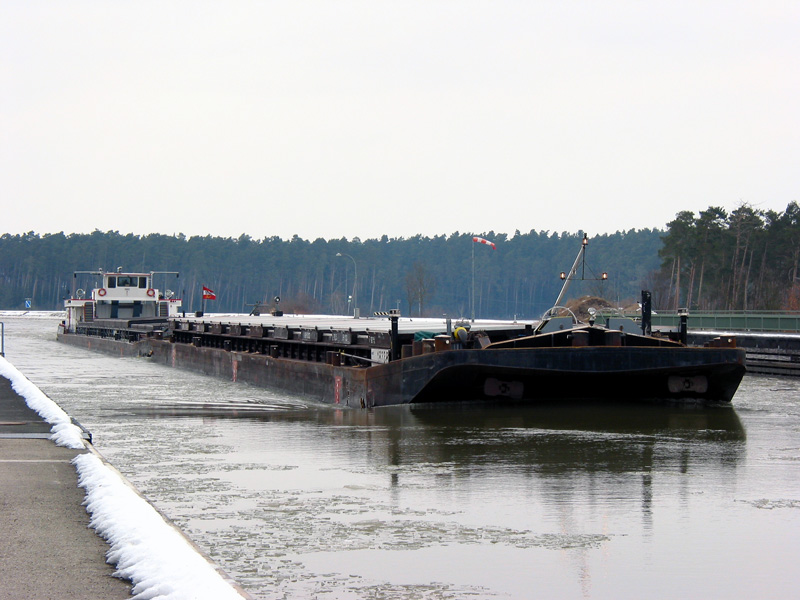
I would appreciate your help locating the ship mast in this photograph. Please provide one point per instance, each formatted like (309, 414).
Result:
(567, 277)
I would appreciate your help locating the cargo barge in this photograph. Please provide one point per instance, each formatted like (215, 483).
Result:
(387, 359)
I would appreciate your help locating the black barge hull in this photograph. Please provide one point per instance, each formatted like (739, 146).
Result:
(522, 374)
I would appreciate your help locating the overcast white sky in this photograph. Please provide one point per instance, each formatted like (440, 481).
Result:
(362, 118)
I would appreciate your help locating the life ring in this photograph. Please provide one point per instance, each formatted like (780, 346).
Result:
(101, 292)
(151, 292)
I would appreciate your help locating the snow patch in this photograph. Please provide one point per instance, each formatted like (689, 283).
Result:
(148, 551)
(33, 314)
(63, 431)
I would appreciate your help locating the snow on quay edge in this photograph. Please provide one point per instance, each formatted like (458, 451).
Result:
(153, 555)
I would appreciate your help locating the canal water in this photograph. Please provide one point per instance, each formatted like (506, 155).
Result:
(300, 500)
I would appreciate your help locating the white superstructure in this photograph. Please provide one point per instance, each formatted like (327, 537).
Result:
(120, 296)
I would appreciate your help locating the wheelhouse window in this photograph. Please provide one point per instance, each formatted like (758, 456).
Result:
(134, 281)
(129, 281)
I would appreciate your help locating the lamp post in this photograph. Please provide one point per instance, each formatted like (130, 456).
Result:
(355, 282)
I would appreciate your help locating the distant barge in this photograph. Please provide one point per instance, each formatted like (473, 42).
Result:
(389, 360)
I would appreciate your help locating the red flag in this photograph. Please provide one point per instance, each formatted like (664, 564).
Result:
(208, 294)
(481, 240)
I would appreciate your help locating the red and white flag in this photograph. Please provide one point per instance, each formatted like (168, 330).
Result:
(208, 294)
(481, 240)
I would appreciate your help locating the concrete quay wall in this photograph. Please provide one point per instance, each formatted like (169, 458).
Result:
(48, 547)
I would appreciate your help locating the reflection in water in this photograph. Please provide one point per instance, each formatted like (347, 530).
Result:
(577, 448)
(606, 417)
(553, 438)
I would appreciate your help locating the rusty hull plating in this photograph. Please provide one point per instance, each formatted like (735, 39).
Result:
(365, 364)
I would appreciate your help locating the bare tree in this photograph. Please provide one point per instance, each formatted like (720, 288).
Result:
(420, 287)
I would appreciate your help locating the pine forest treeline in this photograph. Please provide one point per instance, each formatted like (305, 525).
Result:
(429, 276)
(748, 259)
